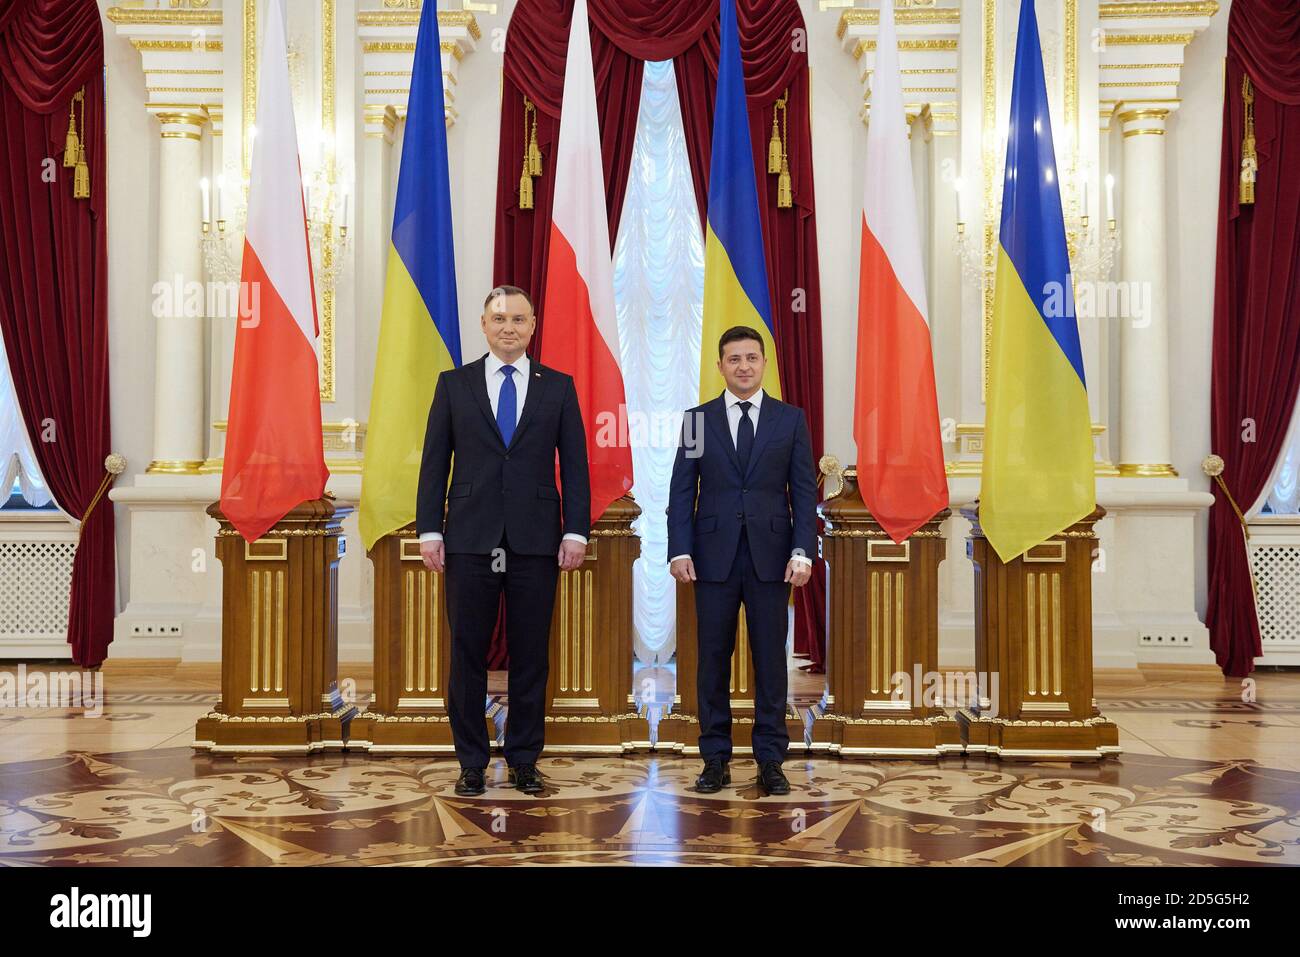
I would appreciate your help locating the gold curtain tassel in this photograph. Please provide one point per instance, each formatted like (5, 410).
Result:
(525, 191)
(1249, 159)
(73, 142)
(774, 149)
(784, 192)
(534, 154)
(81, 182)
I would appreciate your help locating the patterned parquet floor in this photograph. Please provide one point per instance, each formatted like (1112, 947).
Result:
(1205, 779)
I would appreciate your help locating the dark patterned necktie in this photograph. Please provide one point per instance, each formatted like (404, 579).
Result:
(744, 435)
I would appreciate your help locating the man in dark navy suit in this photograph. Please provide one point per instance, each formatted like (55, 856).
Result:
(741, 526)
(502, 526)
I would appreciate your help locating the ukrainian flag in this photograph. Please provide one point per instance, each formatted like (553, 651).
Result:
(1038, 458)
(735, 267)
(419, 333)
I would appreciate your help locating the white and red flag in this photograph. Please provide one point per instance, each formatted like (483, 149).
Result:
(581, 336)
(274, 458)
(896, 413)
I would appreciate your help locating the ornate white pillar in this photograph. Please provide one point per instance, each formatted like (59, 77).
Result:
(1144, 439)
(375, 212)
(178, 446)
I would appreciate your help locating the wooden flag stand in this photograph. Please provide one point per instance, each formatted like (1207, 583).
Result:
(590, 706)
(279, 637)
(883, 623)
(679, 729)
(1033, 651)
(412, 642)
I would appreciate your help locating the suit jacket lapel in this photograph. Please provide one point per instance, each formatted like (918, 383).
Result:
(767, 419)
(540, 378)
(478, 386)
(715, 413)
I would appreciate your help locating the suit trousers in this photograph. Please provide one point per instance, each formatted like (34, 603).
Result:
(475, 584)
(717, 611)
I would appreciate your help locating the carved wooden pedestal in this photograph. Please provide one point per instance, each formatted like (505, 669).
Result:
(279, 637)
(883, 624)
(679, 730)
(412, 641)
(590, 704)
(1033, 651)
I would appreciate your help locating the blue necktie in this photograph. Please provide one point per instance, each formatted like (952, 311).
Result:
(507, 404)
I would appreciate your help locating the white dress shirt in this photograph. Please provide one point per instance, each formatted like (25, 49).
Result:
(734, 412)
(495, 379)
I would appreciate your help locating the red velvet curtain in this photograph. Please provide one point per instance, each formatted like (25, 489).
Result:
(1256, 365)
(624, 33)
(53, 280)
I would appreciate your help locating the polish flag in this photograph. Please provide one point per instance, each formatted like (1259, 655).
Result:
(581, 325)
(896, 413)
(274, 458)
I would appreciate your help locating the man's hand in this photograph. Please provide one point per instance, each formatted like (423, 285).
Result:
(571, 554)
(683, 570)
(797, 573)
(434, 556)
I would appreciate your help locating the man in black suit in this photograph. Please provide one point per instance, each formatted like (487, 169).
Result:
(496, 424)
(741, 526)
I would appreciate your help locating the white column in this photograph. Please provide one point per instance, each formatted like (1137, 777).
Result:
(1145, 447)
(374, 219)
(178, 446)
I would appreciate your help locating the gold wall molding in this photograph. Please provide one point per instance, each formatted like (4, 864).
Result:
(1141, 11)
(328, 390)
(861, 16)
(163, 18)
(176, 46)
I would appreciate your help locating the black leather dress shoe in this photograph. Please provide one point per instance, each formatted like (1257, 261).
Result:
(772, 779)
(714, 776)
(470, 782)
(526, 778)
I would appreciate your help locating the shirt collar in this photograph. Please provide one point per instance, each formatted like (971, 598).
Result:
(494, 365)
(732, 399)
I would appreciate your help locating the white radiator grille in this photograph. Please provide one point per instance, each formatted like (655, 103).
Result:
(1277, 575)
(35, 582)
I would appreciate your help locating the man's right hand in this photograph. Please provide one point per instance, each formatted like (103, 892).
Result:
(683, 569)
(434, 556)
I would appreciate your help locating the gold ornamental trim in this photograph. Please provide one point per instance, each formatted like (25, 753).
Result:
(388, 46)
(1149, 39)
(875, 533)
(174, 467)
(1143, 11)
(277, 532)
(176, 46)
(411, 18)
(1130, 470)
(1158, 113)
(249, 81)
(912, 46)
(860, 16)
(164, 18)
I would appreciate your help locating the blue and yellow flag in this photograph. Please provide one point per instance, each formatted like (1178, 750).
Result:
(1038, 458)
(735, 268)
(419, 334)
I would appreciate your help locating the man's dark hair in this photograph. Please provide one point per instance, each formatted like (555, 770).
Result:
(739, 334)
(508, 291)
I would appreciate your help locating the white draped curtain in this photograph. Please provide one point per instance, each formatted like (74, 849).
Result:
(1283, 492)
(659, 294)
(17, 462)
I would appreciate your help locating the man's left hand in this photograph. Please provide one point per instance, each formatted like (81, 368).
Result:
(797, 573)
(571, 554)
